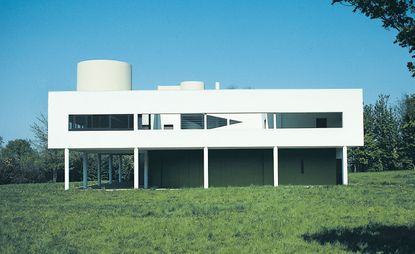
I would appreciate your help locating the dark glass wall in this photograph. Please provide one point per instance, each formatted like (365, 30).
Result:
(100, 122)
(192, 121)
(310, 120)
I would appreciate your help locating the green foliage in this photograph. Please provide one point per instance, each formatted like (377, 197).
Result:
(376, 210)
(385, 131)
(18, 163)
(395, 14)
(381, 149)
(366, 158)
(407, 126)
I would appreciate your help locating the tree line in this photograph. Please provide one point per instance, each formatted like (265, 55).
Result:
(30, 161)
(389, 134)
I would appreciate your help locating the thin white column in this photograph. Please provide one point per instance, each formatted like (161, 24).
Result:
(275, 151)
(135, 123)
(66, 169)
(145, 169)
(85, 169)
(119, 167)
(110, 169)
(344, 166)
(99, 169)
(275, 120)
(136, 168)
(205, 168)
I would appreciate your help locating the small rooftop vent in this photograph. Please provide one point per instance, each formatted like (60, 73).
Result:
(103, 75)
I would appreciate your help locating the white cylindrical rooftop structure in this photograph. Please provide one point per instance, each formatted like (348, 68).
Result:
(103, 75)
(192, 85)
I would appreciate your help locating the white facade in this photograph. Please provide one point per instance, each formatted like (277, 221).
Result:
(214, 102)
(249, 108)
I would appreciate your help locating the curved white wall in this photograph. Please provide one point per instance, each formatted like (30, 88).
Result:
(192, 85)
(103, 75)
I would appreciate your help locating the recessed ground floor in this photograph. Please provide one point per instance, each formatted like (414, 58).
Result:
(181, 168)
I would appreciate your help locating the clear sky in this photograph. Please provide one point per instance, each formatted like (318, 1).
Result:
(258, 44)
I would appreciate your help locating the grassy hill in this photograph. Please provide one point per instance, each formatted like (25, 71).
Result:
(374, 214)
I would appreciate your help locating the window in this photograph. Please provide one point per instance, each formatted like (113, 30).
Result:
(216, 122)
(100, 122)
(270, 120)
(192, 121)
(310, 120)
(321, 123)
(234, 122)
(168, 127)
(120, 121)
(144, 121)
(157, 122)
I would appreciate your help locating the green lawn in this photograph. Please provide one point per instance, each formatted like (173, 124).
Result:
(375, 213)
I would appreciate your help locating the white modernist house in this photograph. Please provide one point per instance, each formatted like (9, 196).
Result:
(188, 136)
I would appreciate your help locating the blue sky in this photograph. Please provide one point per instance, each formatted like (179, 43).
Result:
(258, 44)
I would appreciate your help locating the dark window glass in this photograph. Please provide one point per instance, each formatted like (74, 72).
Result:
(310, 120)
(216, 122)
(100, 122)
(192, 121)
(88, 121)
(157, 122)
(321, 123)
(168, 127)
(234, 122)
(270, 120)
(80, 122)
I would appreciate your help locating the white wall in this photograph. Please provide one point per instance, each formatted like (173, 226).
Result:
(348, 101)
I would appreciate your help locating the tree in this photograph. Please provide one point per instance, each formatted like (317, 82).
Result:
(18, 149)
(367, 157)
(1, 142)
(381, 134)
(395, 14)
(51, 160)
(407, 131)
(386, 132)
(18, 163)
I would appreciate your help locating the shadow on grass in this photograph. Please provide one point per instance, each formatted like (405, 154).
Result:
(373, 238)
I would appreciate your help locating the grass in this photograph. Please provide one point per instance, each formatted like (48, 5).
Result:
(374, 214)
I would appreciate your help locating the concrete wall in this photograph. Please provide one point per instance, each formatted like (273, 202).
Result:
(240, 167)
(319, 166)
(347, 101)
